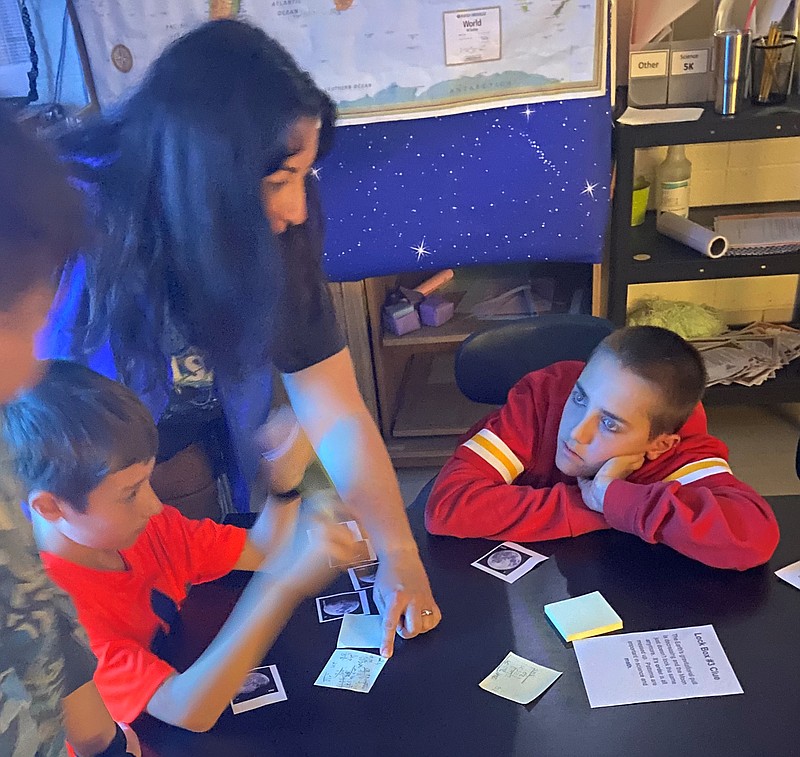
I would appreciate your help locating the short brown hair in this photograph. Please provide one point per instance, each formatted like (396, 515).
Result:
(74, 428)
(667, 362)
(41, 216)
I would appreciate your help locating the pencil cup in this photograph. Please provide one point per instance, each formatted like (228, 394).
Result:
(772, 70)
(730, 58)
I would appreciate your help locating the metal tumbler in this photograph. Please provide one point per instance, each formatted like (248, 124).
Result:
(730, 62)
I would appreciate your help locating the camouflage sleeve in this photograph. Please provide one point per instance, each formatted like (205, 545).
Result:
(44, 653)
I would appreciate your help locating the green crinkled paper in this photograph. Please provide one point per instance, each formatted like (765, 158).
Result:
(687, 319)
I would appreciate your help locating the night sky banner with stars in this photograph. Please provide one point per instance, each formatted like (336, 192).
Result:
(522, 183)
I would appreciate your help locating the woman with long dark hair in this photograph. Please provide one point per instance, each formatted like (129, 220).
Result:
(206, 274)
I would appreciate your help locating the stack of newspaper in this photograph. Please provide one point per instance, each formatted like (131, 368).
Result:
(749, 356)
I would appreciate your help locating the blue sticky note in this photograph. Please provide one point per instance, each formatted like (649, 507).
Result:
(584, 616)
(361, 632)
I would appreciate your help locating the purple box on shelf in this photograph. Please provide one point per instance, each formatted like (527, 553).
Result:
(400, 318)
(436, 310)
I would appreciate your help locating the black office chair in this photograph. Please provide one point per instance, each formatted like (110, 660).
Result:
(490, 362)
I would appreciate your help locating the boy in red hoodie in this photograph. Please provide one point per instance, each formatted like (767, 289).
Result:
(618, 442)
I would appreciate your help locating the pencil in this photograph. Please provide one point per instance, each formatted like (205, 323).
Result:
(771, 56)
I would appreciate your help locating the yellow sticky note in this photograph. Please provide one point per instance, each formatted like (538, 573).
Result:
(584, 616)
(518, 679)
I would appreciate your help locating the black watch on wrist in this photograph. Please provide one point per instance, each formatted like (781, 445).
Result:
(118, 746)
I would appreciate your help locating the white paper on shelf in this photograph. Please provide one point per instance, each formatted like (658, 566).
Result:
(757, 230)
(692, 234)
(643, 116)
(725, 363)
(750, 355)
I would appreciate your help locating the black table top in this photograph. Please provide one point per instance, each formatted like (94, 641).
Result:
(427, 700)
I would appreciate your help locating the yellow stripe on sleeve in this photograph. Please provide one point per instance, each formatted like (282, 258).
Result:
(496, 452)
(690, 472)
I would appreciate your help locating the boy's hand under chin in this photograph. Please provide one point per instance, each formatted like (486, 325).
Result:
(594, 489)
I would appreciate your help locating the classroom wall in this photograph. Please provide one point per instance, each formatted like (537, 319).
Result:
(736, 172)
(730, 173)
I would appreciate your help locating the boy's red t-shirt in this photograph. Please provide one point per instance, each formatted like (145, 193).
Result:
(123, 611)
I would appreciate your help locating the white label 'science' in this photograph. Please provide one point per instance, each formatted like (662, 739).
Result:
(689, 62)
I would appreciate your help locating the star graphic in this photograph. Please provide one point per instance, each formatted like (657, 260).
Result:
(527, 112)
(315, 172)
(589, 190)
(421, 250)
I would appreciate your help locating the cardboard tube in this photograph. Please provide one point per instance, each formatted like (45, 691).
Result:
(692, 234)
(434, 282)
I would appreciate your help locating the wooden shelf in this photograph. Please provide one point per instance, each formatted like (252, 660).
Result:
(421, 417)
(453, 332)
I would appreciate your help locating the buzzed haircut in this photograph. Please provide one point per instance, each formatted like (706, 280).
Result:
(42, 218)
(74, 428)
(667, 362)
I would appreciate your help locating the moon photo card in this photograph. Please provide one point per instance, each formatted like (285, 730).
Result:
(262, 686)
(334, 606)
(363, 576)
(509, 561)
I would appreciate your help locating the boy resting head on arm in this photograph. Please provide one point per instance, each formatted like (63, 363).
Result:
(618, 442)
(85, 446)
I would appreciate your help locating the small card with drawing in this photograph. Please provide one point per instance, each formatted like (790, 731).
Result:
(351, 669)
(519, 680)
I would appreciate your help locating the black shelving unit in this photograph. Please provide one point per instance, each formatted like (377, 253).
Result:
(637, 255)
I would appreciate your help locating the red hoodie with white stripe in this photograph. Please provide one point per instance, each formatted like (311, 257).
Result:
(502, 483)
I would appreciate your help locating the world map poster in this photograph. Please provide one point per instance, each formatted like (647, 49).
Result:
(380, 60)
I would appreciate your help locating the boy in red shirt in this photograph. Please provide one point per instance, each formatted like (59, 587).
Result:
(619, 442)
(85, 447)
(46, 666)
